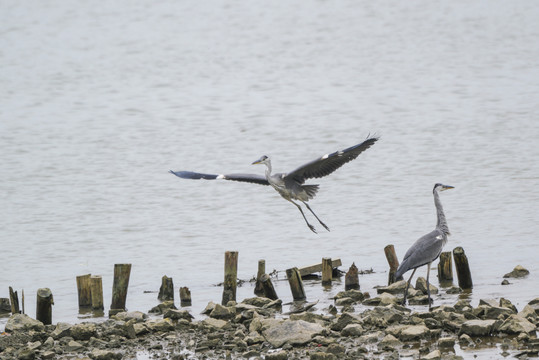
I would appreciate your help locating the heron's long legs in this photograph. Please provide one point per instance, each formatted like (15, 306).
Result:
(301, 211)
(311, 210)
(407, 286)
(428, 286)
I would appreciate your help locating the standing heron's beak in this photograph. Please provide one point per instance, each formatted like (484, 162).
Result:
(259, 161)
(446, 187)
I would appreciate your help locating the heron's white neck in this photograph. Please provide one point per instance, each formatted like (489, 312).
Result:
(442, 223)
(268, 168)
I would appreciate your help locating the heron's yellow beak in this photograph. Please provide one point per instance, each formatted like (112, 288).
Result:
(256, 162)
(446, 187)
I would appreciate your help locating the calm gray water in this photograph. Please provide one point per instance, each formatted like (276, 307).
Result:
(99, 100)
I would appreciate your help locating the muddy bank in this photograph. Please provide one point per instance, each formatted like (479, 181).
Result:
(257, 329)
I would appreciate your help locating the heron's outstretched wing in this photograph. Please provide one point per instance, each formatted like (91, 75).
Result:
(330, 162)
(252, 178)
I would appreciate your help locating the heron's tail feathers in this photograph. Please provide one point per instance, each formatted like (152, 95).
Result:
(311, 190)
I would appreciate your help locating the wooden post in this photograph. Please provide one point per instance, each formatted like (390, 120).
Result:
(445, 267)
(351, 280)
(14, 300)
(44, 306)
(259, 289)
(96, 285)
(119, 287)
(84, 290)
(166, 291)
(231, 277)
(393, 262)
(296, 285)
(463, 269)
(327, 271)
(306, 270)
(267, 287)
(185, 296)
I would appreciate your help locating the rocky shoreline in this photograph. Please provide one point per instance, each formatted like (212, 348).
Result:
(256, 329)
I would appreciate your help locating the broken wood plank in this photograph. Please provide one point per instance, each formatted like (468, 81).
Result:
(306, 270)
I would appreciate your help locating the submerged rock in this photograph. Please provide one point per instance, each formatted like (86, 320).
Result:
(517, 272)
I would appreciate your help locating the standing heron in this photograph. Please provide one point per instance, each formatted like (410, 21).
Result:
(291, 185)
(428, 247)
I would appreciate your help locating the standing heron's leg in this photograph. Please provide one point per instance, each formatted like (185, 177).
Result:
(428, 285)
(311, 210)
(407, 286)
(301, 211)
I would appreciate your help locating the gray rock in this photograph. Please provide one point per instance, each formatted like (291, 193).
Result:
(354, 330)
(454, 290)
(414, 332)
(160, 325)
(488, 302)
(516, 324)
(343, 320)
(385, 298)
(477, 327)
(505, 303)
(434, 355)
(136, 316)
(74, 346)
(505, 282)
(222, 312)
(293, 332)
(446, 343)
(517, 272)
(22, 322)
(336, 349)
(528, 312)
(257, 301)
(140, 329)
(421, 285)
(491, 312)
(62, 329)
(279, 355)
(395, 288)
(83, 331)
(254, 338)
(322, 356)
(389, 341)
(355, 295)
(178, 314)
(310, 317)
(97, 354)
(26, 354)
(216, 323)
(164, 306)
(209, 308)
(344, 301)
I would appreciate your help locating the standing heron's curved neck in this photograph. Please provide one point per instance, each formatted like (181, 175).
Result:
(442, 222)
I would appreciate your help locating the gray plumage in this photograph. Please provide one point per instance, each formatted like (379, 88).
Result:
(428, 247)
(291, 186)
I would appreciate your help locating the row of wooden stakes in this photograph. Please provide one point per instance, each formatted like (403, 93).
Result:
(90, 287)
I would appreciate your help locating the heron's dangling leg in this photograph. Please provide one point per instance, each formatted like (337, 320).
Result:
(311, 210)
(407, 286)
(428, 286)
(301, 211)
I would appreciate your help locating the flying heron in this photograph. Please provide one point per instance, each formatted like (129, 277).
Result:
(291, 185)
(428, 247)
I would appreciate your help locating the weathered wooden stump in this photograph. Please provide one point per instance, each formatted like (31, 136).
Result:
(14, 300)
(84, 291)
(185, 296)
(166, 291)
(351, 279)
(96, 285)
(231, 277)
(296, 284)
(463, 269)
(327, 271)
(267, 287)
(259, 289)
(119, 288)
(44, 306)
(307, 270)
(393, 262)
(445, 267)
